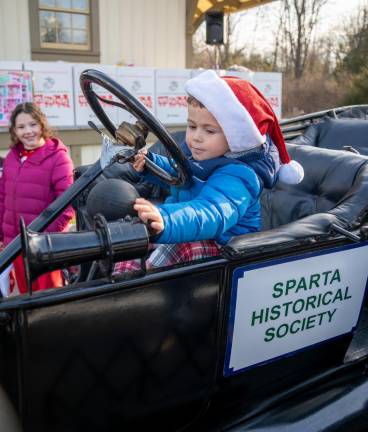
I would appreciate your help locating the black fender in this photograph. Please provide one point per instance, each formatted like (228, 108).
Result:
(9, 420)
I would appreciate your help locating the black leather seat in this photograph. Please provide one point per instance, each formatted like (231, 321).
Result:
(334, 190)
(338, 134)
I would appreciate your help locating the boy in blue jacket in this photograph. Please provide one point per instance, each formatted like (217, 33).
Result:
(235, 148)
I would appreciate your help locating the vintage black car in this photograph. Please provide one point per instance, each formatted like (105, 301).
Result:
(270, 336)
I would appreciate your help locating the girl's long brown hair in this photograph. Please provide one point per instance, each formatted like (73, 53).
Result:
(36, 113)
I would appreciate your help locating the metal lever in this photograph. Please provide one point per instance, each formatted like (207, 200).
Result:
(345, 233)
(350, 149)
(94, 127)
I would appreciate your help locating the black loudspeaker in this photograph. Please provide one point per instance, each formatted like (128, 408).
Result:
(214, 28)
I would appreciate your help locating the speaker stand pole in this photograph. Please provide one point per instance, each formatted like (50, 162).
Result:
(217, 57)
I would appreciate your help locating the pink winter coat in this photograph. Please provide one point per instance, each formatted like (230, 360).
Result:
(28, 188)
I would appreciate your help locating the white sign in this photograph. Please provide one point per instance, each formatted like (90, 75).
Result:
(196, 72)
(171, 98)
(140, 83)
(11, 65)
(270, 85)
(83, 111)
(53, 91)
(281, 308)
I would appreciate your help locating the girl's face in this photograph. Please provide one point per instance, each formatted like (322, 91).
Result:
(204, 136)
(28, 131)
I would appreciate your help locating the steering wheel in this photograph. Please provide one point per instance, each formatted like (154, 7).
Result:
(138, 110)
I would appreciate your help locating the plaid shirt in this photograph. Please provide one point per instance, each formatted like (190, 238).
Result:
(165, 255)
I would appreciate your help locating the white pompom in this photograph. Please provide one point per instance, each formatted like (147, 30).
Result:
(291, 173)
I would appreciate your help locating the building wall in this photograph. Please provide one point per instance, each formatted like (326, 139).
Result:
(143, 32)
(14, 30)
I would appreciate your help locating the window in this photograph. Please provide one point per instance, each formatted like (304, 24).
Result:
(64, 24)
(65, 30)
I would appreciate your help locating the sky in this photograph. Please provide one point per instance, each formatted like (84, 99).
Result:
(256, 27)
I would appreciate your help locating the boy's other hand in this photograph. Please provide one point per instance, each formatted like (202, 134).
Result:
(139, 160)
(150, 215)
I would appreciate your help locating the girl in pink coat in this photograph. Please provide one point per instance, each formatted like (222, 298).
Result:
(36, 171)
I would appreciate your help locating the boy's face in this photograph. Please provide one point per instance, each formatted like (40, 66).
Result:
(204, 136)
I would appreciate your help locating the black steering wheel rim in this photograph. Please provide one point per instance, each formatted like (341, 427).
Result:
(135, 107)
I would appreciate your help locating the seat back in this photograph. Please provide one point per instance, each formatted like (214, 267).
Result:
(330, 177)
(337, 134)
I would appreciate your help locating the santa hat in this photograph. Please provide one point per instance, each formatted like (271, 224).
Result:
(245, 117)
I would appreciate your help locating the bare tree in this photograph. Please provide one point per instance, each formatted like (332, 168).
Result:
(298, 20)
(353, 46)
(229, 53)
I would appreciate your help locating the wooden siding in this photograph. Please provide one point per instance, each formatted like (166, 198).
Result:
(143, 32)
(14, 30)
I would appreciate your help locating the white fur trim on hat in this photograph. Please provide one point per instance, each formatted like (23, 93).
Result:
(237, 124)
(291, 173)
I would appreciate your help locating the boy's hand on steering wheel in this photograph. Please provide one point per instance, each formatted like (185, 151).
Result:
(139, 160)
(150, 215)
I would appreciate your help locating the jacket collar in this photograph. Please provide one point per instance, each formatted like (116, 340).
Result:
(51, 146)
(262, 162)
